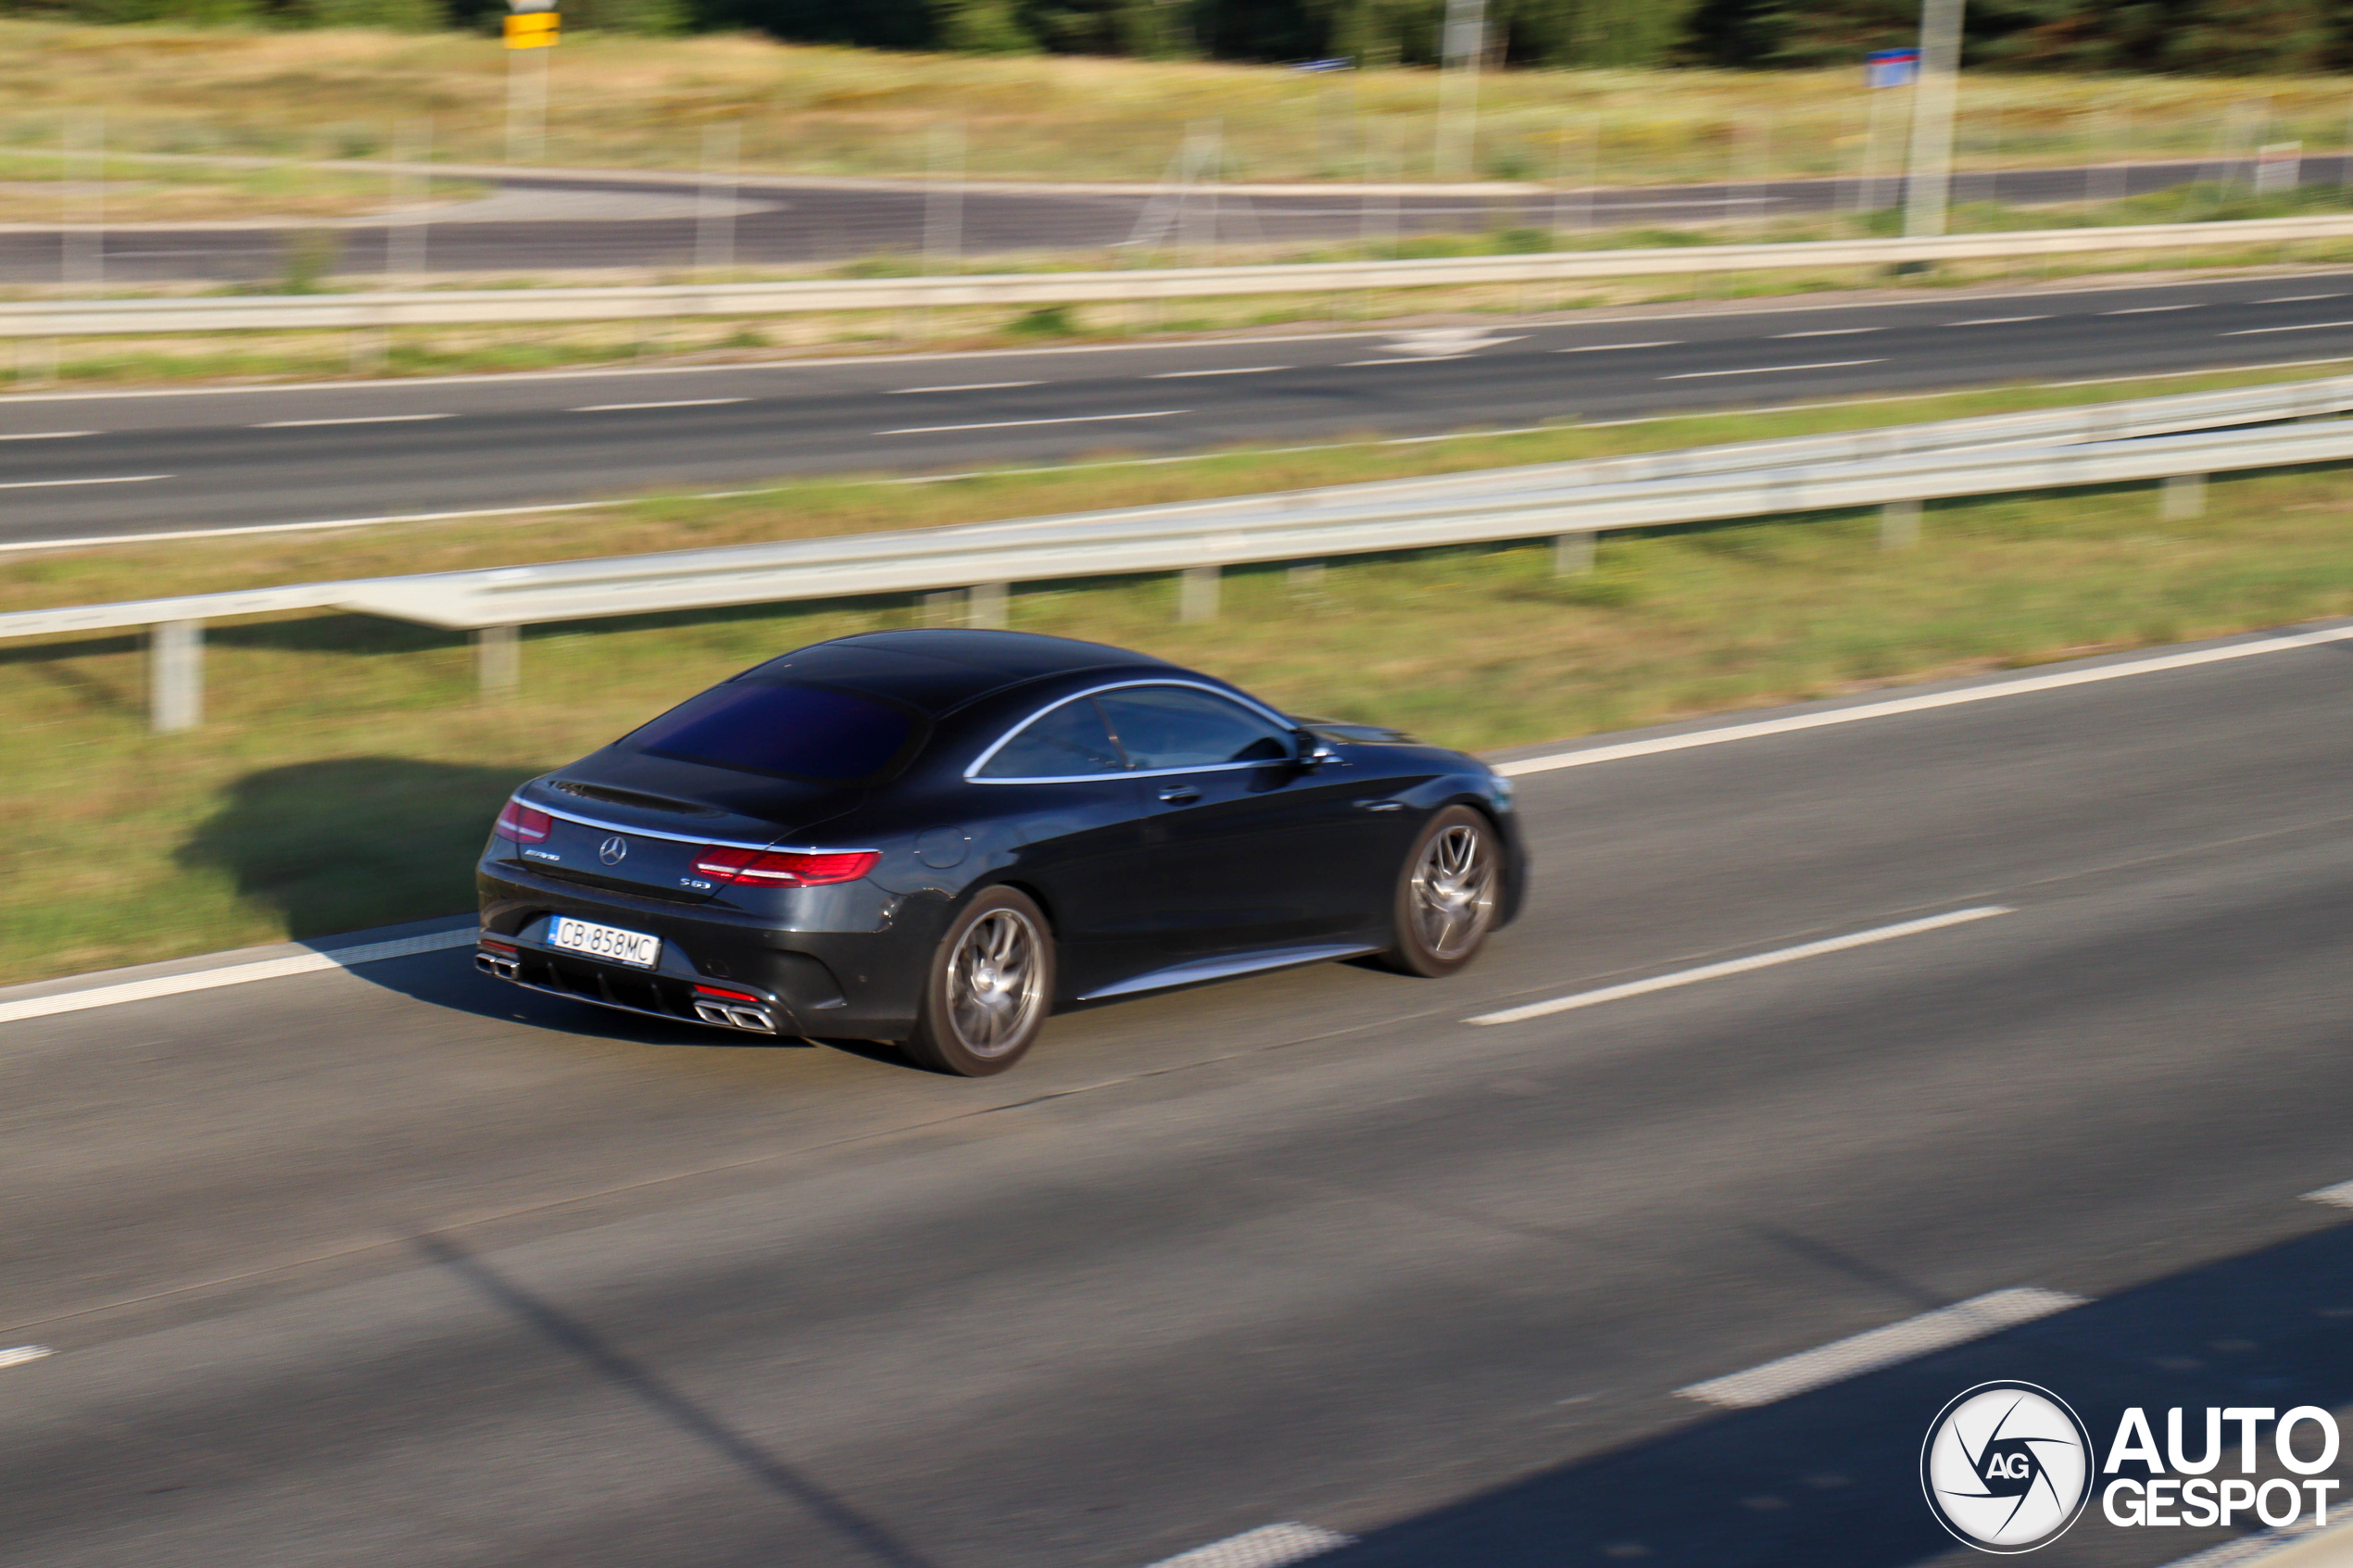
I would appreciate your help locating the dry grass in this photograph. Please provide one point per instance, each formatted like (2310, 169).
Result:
(44, 187)
(644, 103)
(346, 774)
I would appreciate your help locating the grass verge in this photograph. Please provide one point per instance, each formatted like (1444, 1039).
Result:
(347, 772)
(621, 101)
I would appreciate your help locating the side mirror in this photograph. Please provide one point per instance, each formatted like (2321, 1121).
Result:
(1314, 752)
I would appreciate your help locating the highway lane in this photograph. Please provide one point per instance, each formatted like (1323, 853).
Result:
(85, 465)
(392, 1266)
(804, 222)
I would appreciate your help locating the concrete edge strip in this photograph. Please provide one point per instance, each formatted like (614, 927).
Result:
(1269, 1546)
(1908, 1341)
(233, 975)
(1922, 704)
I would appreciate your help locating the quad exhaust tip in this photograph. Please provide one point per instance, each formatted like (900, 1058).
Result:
(498, 966)
(734, 1015)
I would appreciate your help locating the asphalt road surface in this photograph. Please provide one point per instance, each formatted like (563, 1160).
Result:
(800, 222)
(396, 1266)
(101, 465)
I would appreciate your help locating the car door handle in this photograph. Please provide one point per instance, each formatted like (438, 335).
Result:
(1382, 805)
(1180, 795)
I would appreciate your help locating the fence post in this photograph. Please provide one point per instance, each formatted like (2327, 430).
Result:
(175, 675)
(499, 660)
(988, 607)
(1197, 593)
(1899, 525)
(2184, 497)
(1572, 554)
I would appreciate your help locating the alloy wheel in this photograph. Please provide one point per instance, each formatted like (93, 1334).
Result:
(995, 982)
(1453, 894)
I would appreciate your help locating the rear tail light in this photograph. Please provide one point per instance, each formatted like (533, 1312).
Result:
(495, 944)
(731, 996)
(520, 824)
(763, 868)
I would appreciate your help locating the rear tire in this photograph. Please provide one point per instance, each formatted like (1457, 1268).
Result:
(1448, 892)
(990, 985)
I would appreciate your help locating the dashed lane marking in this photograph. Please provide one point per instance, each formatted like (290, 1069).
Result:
(47, 434)
(968, 386)
(671, 402)
(2297, 298)
(1013, 424)
(1831, 332)
(1996, 321)
(2339, 1196)
(1739, 965)
(1771, 369)
(17, 1355)
(1606, 348)
(354, 420)
(1269, 1546)
(1909, 1340)
(109, 479)
(2152, 310)
(1228, 371)
(2293, 327)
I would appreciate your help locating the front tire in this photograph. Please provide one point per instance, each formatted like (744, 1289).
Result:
(990, 985)
(1448, 891)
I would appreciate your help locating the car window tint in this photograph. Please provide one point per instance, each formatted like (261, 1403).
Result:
(1067, 741)
(799, 732)
(1180, 727)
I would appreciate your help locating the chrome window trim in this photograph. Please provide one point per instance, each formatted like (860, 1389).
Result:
(700, 839)
(1281, 721)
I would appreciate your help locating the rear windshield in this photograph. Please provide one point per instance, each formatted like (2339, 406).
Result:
(798, 732)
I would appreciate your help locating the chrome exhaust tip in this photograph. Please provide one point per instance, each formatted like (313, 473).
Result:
(498, 966)
(736, 1015)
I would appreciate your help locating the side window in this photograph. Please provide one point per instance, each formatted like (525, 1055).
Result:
(1058, 744)
(1180, 727)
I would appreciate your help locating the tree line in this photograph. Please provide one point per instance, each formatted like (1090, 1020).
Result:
(2204, 37)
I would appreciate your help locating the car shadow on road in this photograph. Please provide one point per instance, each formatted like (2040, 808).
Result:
(1831, 1476)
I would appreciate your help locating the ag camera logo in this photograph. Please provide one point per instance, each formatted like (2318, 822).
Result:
(2007, 1467)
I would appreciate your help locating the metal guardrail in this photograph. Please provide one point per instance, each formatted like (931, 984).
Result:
(1895, 467)
(456, 307)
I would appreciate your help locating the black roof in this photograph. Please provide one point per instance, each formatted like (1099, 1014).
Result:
(936, 670)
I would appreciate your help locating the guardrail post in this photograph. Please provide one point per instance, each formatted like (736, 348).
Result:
(943, 607)
(1899, 525)
(175, 675)
(499, 660)
(2184, 497)
(1572, 554)
(988, 607)
(1197, 593)
(1307, 577)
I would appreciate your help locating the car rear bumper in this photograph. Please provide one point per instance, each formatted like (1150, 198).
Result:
(859, 984)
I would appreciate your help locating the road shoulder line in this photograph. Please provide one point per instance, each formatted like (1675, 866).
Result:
(1909, 1340)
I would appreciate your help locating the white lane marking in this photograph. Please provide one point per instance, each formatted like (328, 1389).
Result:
(354, 419)
(672, 403)
(1831, 332)
(1909, 1340)
(110, 479)
(2152, 310)
(1996, 321)
(2297, 327)
(1739, 965)
(1269, 1546)
(232, 975)
(1606, 348)
(2297, 298)
(968, 386)
(1417, 360)
(1923, 704)
(17, 1355)
(1010, 424)
(1231, 370)
(47, 434)
(1770, 370)
(2340, 1196)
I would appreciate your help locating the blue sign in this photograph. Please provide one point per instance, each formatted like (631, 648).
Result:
(1891, 68)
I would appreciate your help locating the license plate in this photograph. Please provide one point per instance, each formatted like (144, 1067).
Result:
(605, 942)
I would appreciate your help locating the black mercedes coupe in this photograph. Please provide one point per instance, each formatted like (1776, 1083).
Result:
(936, 837)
